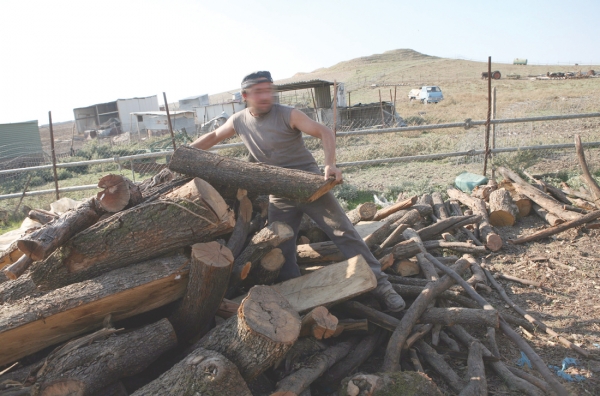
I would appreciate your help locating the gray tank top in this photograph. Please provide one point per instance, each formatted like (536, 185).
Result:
(271, 140)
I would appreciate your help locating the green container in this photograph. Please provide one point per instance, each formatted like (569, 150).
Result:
(467, 181)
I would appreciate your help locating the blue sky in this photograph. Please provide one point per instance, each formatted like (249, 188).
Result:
(58, 55)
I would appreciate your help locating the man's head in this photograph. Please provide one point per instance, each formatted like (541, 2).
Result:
(257, 91)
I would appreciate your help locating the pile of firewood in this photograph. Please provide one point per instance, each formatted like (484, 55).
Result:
(168, 287)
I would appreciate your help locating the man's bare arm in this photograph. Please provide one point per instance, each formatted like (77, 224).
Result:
(301, 121)
(223, 132)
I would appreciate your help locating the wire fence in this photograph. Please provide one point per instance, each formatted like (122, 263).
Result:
(366, 149)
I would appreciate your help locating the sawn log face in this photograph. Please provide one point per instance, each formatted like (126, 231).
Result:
(193, 213)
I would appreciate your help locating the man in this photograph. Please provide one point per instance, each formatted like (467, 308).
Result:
(273, 135)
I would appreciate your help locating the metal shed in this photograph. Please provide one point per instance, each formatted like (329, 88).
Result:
(156, 122)
(20, 139)
(94, 116)
(193, 101)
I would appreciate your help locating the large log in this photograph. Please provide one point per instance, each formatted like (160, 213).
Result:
(363, 212)
(388, 210)
(439, 209)
(41, 216)
(488, 236)
(503, 212)
(29, 325)
(462, 247)
(202, 372)
(522, 202)
(83, 367)
(402, 331)
(16, 269)
(210, 267)
(242, 224)
(322, 252)
(448, 224)
(259, 179)
(39, 244)
(14, 290)
(192, 213)
(537, 196)
(264, 329)
(550, 218)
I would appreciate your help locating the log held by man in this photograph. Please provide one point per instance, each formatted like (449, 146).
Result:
(195, 212)
(258, 179)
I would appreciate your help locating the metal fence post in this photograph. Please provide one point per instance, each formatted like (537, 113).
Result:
(53, 155)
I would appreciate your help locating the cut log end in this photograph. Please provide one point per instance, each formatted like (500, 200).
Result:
(323, 189)
(493, 242)
(501, 218)
(268, 313)
(212, 253)
(246, 270)
(273, 260)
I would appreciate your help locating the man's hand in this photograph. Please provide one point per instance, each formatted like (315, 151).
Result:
(331, 170)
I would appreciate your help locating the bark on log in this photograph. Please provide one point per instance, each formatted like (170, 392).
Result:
(119, 193)
(514, 383)
(192, 213)
(85, 367)
(452, 345)
(557, 193)
(29, 325)
(202, 372)
(385, 212)
(448, 224)
(310, 229)
(439, 210)
(265, 328)
(363, 212)
(587, 176)
(17, 268)
(522, 202)
(41, 216)
(379, 235)
(537, 196)
(323, 252)
(318, 323)
(352, 361)
(412, 314)
(410, 218)
(210, 267)
(488, 236)
(557, 229)
(296, 383)
(14, 290)
(477, 385)
(425, 199)
(257, 178)
(267, 270)
(427, 268)
(422, 210)
(457, 246)
(39, 244)
(360, 326)
(503, 212)
(242, 224)
(440, 366)
(550, 218)
(262, 243)
(465, 316)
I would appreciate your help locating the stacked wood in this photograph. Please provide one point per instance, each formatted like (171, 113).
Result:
(318, 323)
(388, 210)
(522, 202)
(503, 212)
(242, 224)
(118, 193)
(363, 212)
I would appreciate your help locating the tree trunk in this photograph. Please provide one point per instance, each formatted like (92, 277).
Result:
(318, 323)
(242, 224)
(119, 193)
(488, 236)
(402, 331)
(259, 179)
(193, 213)
(202, 372)
(30, 325)
(265, 328)
(503, 212)
(537, 196)
(262, 243)
(439, 209)
(210, 268)
(296, 383)
(385, 212)
(39, 244)
(465, 316)
(363, 212)
(85, 367)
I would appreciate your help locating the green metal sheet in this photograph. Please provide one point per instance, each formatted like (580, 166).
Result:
(20, 138)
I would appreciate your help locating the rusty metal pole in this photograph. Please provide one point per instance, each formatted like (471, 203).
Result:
(493, 131)
(169, 120)
(349, 99)
(381, 106)
(53, 152)
(335, 89)
(489, 116)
